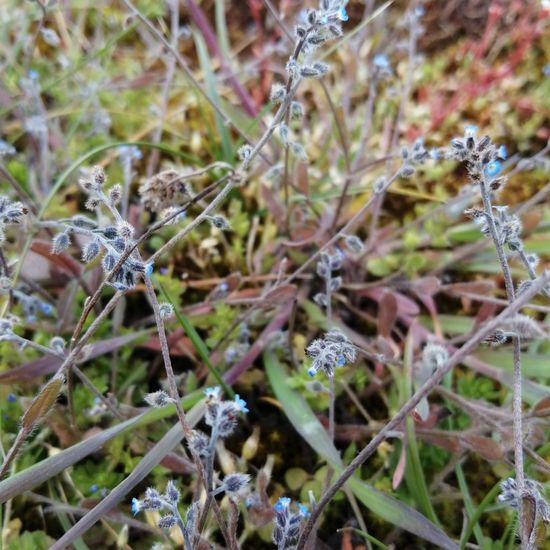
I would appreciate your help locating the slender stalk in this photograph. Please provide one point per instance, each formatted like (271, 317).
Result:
(517, 383)
(423, 391)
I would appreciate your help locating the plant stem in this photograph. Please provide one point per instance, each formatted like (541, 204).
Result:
(517, 401)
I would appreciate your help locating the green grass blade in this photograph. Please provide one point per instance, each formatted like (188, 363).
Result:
(210, 84)
(473, 521)
(469, 506)
(370, 538)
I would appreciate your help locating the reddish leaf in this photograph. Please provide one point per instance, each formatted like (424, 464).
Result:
(62, 261)
(484, 446)
(280, 295)
(387, 314)
(542, 408)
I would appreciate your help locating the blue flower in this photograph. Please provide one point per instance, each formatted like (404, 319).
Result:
(470, 130)
(213, 392)
(12, 398)
(31, 318)
(6, 148)
(502, 152)
(241, 403)
(342, 14)
(546, 70)
(303, 509)
(434, 153)
(282, 504)
(94, 488)
(493, 168)
(324, 20)
(47, 309)
(149, 269)
(224, 287)
(419, 11)
(381, 61)
(136, 506)
(341, 361)
(312, 371)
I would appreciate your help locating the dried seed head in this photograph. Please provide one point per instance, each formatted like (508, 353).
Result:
(164, 190)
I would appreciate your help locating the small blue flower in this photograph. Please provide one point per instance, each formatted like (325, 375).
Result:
(149, 269)
(470, 130)
(303, 509)
(282, 504)
(163, 271)
(502, 152)
(224, 287)
(136, 506)
(493, 168)
(213, 392)
(324, 20)
(32, 74)
(381, 61)
(6, 148)
(47, 309)
(419, 11)
(312, 371)
(12, 398)
(341, 361)
(31, 318)
(546, 70)
(94, 489)
(434, 153)
(342, 14)
(241, 403)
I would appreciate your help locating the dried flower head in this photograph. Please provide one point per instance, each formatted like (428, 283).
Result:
(164, 190)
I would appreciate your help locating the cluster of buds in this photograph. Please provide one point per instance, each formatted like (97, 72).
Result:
(287, 523)
(156, 501)
(11, 213)
(318, 26)
(508, 226)
(481, 156)
(413, 156)
(327, 264)
(221, 416)
(110, 241)
(334, 350)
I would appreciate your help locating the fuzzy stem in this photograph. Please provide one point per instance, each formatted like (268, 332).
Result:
(423, 391)
(517, 383)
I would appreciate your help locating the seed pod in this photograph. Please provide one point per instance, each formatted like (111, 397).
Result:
(42, 403)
